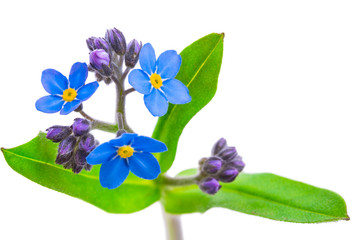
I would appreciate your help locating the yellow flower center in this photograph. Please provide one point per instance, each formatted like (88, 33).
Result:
(125, 151)
(156, 81)
(69, 94)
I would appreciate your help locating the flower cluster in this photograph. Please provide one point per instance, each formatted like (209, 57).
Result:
(223, 165)
(128, 151)
(75, 144)
(108, 54)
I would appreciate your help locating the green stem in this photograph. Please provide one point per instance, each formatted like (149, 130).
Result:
(173, 226)
(120, 99)
(179, 181)
(107, 127)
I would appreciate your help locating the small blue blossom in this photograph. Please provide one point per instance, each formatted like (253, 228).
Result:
(156, 80)
(129, 152)
(65, 94)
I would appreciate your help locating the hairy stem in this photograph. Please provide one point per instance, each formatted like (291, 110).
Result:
(173, 226)
(179, 181)
(120, 100)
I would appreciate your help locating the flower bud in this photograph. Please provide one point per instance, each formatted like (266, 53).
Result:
(80, 126)
(120, 132)
(87, 167)
(228, 174)
(132, 53)
(87, 143)
(77, 168)
(237, 163)
(212, 165)
(228, 154)
(80, 157)
(94, 43)
(116, 40)
(58, 133)
(218, 146)
(209, 185)
(100, 61)
(67, 145)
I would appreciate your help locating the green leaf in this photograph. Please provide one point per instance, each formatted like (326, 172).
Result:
(263, 194)
(201, 62)
(35, 160)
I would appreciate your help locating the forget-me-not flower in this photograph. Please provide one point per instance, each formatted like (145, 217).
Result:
(156, 80)
(129, 152)
(65, 94)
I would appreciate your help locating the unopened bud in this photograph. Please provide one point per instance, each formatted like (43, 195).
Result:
(87, 167)
(67, 145)
(87, 143)
(228, 154)
(77, 168)
(116, 40)
(80, 126)
(209, 185)
(94, 43)
(100, 61)
(80, 157)
(228, 174)
(132, 53)
(58, 133)
(212, 165)
(218, 146)
(237, 163)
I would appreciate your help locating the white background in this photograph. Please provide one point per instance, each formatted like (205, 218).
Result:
(288, 98)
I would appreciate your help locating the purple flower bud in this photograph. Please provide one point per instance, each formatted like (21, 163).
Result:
(228, 154)
(87, 143)
(94, 43)
(100, 61)
(228, 174)
(87, 167)
(209, 185)
(116, 40)
(120, 132)
(212, 165)
(237, 163)
(80, 157)
(77, 168)
(67, 145)
(218, 146)
(132, 53)
(80, 126)
(58, 133)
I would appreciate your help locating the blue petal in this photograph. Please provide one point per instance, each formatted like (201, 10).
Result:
(140, 81)
(146, 144)
(69, 107)
(168, 64)
(156, 103)
(54, 82)
(85, 92)
(78, 75)
(147, 58)
(176, 92)
(49, 104)
(113, 173)
(103, 153)
(124, 139)
(144, 165)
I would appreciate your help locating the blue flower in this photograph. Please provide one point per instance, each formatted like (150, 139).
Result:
(129, 152)
(156, 80)
(65, 95)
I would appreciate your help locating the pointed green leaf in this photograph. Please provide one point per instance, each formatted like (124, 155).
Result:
(263, 194)
(35, 160)
(201, 62)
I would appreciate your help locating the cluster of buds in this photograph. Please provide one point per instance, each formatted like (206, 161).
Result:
(75, 144)
(107, 54)
(224, 165)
